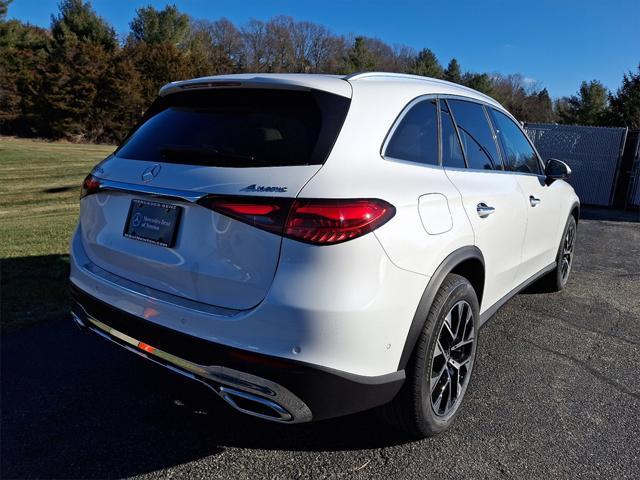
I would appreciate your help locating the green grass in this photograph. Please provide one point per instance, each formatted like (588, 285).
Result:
(39, 190)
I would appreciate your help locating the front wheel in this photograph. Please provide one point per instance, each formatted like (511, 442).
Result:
(557, 279)
(440, 369)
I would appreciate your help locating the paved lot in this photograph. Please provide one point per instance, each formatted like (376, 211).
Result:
(556, 393)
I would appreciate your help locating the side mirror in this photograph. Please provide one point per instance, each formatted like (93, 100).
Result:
(556, 170)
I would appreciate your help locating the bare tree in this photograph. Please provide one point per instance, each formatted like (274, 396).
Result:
(279, 44)
(254, 36)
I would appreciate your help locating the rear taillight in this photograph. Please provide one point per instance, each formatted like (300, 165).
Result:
(90, 185)
(325, 222)
(316, 221)
(266, 213)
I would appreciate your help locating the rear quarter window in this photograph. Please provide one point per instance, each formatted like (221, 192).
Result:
(415, 139)
(239, 128)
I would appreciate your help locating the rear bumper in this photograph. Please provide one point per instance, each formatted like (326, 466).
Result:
(273, 388)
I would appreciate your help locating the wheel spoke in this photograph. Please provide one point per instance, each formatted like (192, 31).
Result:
(467, 320)
(435, 380)
(450, 396)
(462, 343)
(460, 311)
(438, 402)
(447, 326)
(458, 384)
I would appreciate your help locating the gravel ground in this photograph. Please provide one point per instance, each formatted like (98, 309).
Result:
(556, 393)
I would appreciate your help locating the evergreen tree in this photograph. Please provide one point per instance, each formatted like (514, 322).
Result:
(120, 103)
(479, 81)
(543, 107)
(160, 26)
(359, 58)
(589, 107)
(453, 73)
(80, 59)
(625, 105)
(158, 65)
(427, 65)
(4, 6)
(23, 59)
(78, 23)
(164, 49)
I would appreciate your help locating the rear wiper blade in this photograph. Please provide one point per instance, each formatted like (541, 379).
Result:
(203, 154)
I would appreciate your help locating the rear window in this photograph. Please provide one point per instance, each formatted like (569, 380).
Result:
(239, 128)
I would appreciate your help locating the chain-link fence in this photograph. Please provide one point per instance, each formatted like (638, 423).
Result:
(593, 153)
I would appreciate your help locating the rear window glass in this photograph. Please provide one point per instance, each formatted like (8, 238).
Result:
(239, 128)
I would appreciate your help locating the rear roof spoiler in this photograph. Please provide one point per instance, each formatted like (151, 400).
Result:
(328, 83)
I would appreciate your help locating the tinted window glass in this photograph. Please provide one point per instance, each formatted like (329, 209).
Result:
(519, 156)
(477, 138)
(416, 137)
(451, 151)
(238, 128)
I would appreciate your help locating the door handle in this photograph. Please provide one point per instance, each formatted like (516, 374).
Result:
(484, 210)
(534, 201)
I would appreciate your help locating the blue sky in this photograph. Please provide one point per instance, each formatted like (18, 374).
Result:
(558, 43)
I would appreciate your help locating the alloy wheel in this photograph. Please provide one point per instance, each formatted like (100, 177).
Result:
(452, 359)
(567, 252)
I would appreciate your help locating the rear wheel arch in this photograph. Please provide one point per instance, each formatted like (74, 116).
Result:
(466, 261)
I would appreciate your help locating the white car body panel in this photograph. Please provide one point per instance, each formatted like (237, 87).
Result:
(500, 235)
(544, 224)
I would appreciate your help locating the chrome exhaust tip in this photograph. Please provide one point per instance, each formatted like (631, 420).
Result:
(254, 405)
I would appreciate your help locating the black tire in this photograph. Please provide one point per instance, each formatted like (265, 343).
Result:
(413, 410)
(557, 278)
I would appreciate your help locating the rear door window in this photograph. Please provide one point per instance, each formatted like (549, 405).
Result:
(452, 155)
(478, 143)
(415, 139)
(239, 128)
(519, 155)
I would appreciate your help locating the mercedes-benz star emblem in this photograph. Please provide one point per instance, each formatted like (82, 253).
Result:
(151, 172)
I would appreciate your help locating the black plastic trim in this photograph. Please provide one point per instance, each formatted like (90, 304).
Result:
(327, 392)
(487, 314)
(420, 317)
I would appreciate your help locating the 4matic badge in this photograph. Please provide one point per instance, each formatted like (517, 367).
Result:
(262, 188)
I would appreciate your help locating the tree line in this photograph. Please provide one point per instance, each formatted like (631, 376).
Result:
(79, 81)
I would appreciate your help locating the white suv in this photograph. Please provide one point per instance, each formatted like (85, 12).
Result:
(310, 246)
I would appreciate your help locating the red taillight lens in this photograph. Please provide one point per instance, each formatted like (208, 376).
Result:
(326, 222)
(320, 222)
(90, 185)
(267, 213)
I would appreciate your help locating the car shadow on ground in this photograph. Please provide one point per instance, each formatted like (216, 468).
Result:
(33, 289)
(588, 212)
(76, 406)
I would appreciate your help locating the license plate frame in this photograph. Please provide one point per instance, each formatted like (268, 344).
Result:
(153, 222)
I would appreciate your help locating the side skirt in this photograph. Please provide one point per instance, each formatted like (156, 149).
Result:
(487, 314)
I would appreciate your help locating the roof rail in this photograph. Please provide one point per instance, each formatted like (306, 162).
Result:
(408, 76)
